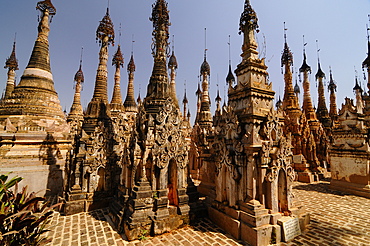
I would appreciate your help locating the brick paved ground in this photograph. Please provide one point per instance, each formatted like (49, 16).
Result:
(336, 219)
(95, 229)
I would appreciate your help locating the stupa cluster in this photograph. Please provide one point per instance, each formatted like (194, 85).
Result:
(140, 157)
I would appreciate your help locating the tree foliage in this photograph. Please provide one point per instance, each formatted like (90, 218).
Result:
(23, 216)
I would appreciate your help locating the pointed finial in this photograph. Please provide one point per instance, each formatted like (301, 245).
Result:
(132, 44)
(131, 67)
(287, 56)
(12, 62)
(332, 85)
(218, 98)
(279, 103)
(173, 43)
(318, 50)
(118, 58)
(205, 68)
(46, 5)
(248, 19)
(320, 73)
(285, 29)
(357, 85)
(172, 63)
(366, 62)
(185, 100)
(105, 29)
(161, 22)
(205, 43)
(198, 92)
(82, 50)
(120, 33)
(229, 43)
(305, 67)
(368, 29)
(79, 76)
(139, 97)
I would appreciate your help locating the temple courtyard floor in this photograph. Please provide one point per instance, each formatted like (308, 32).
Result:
(337, 218)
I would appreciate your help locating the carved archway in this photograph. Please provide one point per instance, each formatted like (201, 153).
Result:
(172, 183)
(101, 180)
(282, 192)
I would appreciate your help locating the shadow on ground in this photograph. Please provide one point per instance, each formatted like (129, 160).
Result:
(322, 187)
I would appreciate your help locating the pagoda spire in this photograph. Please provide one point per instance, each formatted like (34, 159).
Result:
(248, 26)
(40, 54)
(297, 89)
(366, 63)
(35, 94)
(158, 87)
(185, 102)
(290, 99)
(358, 92)
(205, 116)
(76, 112)
(322, 110)
(172, 65)
(230, 78)
(130, 104)
(252, 76)
(332, 87)
(198, 93)
(116, 104)
(12, 65)
(105, 37)
(307, 101)
(218, 102)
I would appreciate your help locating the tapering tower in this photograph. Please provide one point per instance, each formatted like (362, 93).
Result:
(290, 103)
(198, 93)
(253, 87)
(34, 135)
(366, 64)
(297, 89)
(204, 117)
(159, 149)
(332, 87)
(290, 100)
(12, 65)
(251, 154)
(322, 111)
(185, 102)
(116, 104)
(159, 88)
(76, 113)
(172, 65)
(130, 104)
(98, 106)
(359, 101)
(218, 102)
(307, 101)
(230, 78)
(313, 135)
(93, 165)
(35, 94)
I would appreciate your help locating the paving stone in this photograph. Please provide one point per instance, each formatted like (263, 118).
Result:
(336, 219)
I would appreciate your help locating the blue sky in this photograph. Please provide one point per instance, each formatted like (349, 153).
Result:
(339, 26)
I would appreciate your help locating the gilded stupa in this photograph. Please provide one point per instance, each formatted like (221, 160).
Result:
(35, 95)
